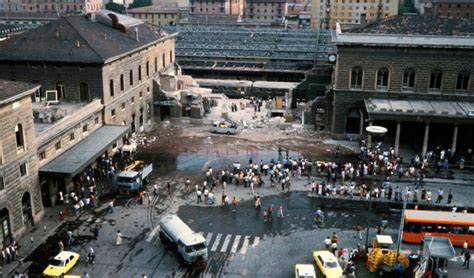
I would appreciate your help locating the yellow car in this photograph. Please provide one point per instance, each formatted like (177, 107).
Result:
(305, 271)
(61, 264)
(327, 264)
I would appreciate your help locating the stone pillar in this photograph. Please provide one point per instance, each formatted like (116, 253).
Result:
(455, 139)
(369, 137)
(397, 138)
(425, 140)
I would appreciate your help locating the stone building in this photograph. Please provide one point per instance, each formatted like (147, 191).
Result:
(266, 10)
(52, 6)
(326, 13)
(446, 8)
(156, 15)
(20, 198)
(215, 7)
(104, 55)
(420, 87)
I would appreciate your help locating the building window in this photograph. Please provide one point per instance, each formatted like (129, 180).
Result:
(121, 83)
(42, 155)
(96, 120)
(57, 145)
(171, 56)
(382, 78)
(130, 76)
(123, 105)
(61, 90)
(23, 170)
(435, 80)
(84, 128)
(462, 83)
(141, 94)
(408, 82)
(20, 140)
(132, 100)
(156, 64)
(163, 58)
(356, 78)
(72, 136)
(2, 183)
(139, 73)
(111, 86)
(147, 68)
(84, 92)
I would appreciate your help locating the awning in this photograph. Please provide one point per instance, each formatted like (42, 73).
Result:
(439, 247)
(74, 160)
(443, 111)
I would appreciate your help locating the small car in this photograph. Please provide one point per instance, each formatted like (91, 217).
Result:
(305, 271)
(224, 127)
(61, 264)
(327, 264)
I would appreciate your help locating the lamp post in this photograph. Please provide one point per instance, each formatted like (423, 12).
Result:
(373, 131)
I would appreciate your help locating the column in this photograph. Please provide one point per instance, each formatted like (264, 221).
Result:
(425, 140)
(397, 138)
(369, 137)
(455, 139)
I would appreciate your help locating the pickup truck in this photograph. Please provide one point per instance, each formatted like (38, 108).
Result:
(133, 178)
(190, 246)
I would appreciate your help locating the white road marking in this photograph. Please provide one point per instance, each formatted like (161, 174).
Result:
(226, 243)
(153, 233)
(245, 245)
(216, 242)
(208, 238)
(256, 240)
(236, 244)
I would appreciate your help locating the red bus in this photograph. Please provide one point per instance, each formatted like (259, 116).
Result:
(458, 227)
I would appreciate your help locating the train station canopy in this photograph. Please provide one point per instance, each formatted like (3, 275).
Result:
(439, 111)
(74, 160)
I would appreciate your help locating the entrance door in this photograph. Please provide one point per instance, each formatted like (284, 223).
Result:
(26, 210)
(4, 228)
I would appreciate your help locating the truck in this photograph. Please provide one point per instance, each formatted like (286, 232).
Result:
(133, 178)
(191, 247)
(224, 126)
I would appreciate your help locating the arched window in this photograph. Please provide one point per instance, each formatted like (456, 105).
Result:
(111, 87)
(353, 122)
(436, 77)
(382, 79)
(408, 82)
(131, 77)
(139, 73)
(356, 78)
(462, 83)
(83, 92)
(20, 140)
(38, 92)
(121, 83)
(61, 90)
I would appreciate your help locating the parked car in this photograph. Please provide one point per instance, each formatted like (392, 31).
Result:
(61, 264)
(305, 271)
(327, 264)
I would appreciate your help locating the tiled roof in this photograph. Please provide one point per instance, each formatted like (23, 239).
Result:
(420, 25)
(77, 39)
(12, 90)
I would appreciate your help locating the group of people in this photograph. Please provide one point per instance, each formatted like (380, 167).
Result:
(10, 253)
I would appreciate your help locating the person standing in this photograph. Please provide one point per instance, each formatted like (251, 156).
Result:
(111, 206)
(465, 247)
(234, 203)
(440, 196)
(60, 246)
(199, 193)
(187, 183)
(358, 231)
(450, 196)
(119, 239)
(155, 189)
(467, 258)
(327, 242)
(280, 211)
(96, 232)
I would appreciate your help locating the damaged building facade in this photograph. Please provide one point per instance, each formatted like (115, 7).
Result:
(89, 84)
(420, 87)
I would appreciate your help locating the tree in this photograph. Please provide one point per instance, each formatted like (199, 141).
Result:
(139, 3)
(111, 6)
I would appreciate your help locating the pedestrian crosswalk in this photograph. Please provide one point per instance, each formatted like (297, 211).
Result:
(229, 243)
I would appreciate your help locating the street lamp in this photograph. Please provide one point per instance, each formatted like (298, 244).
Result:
(373, 131)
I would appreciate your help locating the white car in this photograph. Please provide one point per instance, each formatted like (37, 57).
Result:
(305, 271)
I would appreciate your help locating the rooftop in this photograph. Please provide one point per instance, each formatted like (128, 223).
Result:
(420, 25)
(81, 39)
(13, 90)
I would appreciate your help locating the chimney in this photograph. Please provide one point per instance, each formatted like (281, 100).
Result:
(136, 34)
(78, 44)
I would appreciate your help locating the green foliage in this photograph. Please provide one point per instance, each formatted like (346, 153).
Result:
(111, 6)
(139, 3)
(407, 7)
